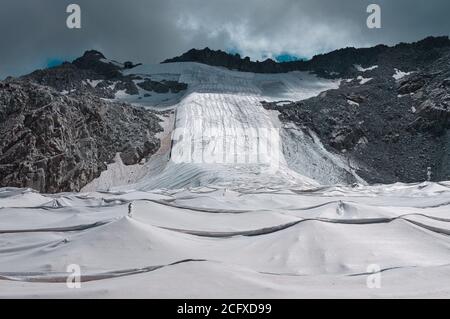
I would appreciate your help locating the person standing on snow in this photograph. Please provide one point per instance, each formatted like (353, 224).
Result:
(130, 210)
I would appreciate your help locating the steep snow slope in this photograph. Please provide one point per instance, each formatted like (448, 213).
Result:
(211, 218)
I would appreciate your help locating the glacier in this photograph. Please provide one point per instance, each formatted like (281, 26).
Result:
(235, 204)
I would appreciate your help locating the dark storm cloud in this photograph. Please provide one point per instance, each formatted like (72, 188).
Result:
(34, 32)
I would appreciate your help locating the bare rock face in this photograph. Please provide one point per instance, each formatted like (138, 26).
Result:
(434, 97)
(53, 143)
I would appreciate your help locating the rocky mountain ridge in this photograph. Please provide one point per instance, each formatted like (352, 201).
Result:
(93, 73)
(335, 64)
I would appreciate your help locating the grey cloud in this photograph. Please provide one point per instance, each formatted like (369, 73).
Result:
(152, 30)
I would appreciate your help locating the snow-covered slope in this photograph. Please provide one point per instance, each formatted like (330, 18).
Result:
(223, 135)
(214, 218)
(216, 242)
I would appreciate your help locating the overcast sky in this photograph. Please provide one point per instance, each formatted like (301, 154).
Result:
(34, 31)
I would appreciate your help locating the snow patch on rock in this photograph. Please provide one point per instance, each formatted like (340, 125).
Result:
(361, 69)
(362, 80)
(398, 75)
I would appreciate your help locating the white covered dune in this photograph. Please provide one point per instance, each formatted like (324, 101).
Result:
(191, 244)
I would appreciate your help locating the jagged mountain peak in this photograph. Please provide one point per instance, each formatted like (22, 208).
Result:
(94, 53)
(336, 63)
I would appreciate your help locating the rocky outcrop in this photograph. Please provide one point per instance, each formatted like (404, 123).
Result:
(432, 96)
(96, 62)
(53, 142)
(163, 86)
(94, 74)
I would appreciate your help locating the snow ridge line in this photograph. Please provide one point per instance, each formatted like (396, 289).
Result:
(62, 277)
(274, 229)
(57, 229)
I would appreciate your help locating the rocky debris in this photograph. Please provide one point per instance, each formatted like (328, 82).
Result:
(54, 142)
(412, 84)
(399, 128)
(434, 98)
(356, 98)
(345, 138)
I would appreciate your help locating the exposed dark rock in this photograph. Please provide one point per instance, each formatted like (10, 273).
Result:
(53, 142)
(130, 65)
(230, 61)
(412, 84)
(345, 138)
(154, 86)
(128, 85)
(163, 86)
(356, 98)
(96, 61)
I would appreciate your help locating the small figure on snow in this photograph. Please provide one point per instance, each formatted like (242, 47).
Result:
(130, 210)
